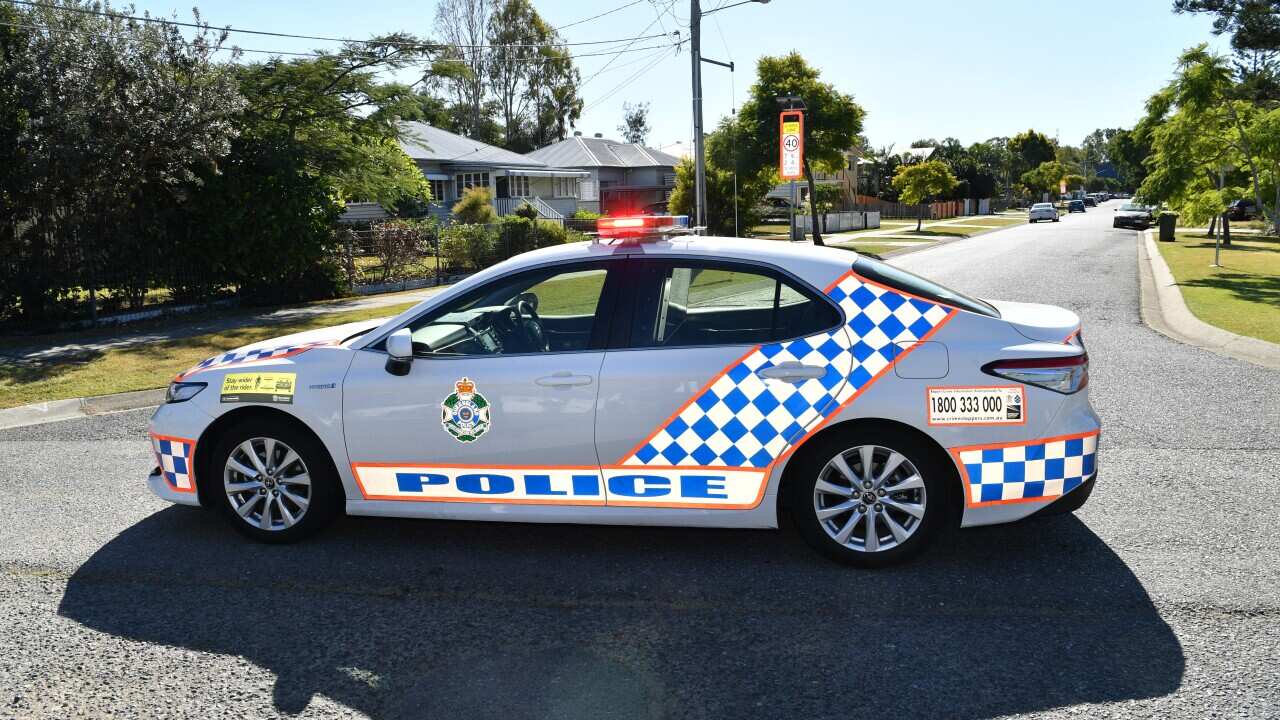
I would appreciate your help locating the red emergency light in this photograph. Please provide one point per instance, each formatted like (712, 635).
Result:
(632, 227)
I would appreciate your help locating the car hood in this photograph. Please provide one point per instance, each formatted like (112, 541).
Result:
(1045, 323)
(285, 345)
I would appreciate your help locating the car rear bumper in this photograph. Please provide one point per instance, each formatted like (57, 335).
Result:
(1070, 502)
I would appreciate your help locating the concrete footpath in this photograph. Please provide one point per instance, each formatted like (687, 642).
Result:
(1165, 310)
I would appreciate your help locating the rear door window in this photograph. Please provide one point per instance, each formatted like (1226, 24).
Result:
(692, 303)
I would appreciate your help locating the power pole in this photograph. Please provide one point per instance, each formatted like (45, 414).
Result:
(699, 155)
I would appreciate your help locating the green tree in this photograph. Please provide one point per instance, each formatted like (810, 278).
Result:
(920, 182)
(105, 121)
(832, 121)
(1046, 177)
(635, 122)
(1029, 150)
(384, 174)
(531, 75)
(1204, 126)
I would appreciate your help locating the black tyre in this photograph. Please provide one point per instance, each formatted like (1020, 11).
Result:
(1056, 219)
(869, 497)
(274, 482)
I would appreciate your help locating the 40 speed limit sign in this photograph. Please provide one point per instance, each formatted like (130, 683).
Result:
(791, 145)
(1003, 405)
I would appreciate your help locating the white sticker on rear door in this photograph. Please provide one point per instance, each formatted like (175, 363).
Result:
(1005, 405)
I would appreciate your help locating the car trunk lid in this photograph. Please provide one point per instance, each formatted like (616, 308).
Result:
(1045, 323)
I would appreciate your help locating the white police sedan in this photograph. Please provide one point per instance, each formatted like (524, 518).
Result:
(652, 378)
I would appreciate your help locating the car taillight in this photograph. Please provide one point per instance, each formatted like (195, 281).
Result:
(1061, 374)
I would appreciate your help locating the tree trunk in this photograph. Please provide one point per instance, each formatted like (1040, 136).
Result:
(920, 216)
(1226, 230)
(813, 204)
(1213, 224)
(1274, 215)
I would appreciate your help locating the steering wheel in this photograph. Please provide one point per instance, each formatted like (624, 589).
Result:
(531, 326)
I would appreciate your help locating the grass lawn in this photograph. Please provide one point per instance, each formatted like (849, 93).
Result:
(148, 365)
(1243, 296)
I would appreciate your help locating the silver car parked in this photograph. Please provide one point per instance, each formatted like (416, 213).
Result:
(647, 378)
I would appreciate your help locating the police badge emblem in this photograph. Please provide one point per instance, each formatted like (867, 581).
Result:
(465, 413)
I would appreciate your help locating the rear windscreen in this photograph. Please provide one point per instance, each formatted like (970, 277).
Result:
(900, 279)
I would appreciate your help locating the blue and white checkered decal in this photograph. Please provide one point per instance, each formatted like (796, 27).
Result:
(1023, 473)
(743, 420)
(175, 458)
(236, 357)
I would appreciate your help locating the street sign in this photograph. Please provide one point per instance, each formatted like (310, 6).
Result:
(791, 145)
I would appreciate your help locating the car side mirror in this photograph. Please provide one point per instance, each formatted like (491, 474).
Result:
(400, 351)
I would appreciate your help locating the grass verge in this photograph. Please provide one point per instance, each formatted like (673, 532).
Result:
(1242, 296)
(148, 365)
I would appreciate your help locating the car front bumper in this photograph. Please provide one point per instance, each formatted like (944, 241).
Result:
(161, 488)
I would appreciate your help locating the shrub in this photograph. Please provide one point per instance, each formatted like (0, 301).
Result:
(515, 235)
(552, 233)
(467, 247)
(527, 211)
(586, 215)
(475, 207)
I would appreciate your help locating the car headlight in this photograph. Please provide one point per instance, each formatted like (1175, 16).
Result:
(183, 391)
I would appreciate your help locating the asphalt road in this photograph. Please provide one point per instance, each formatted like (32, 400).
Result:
(1160, 598)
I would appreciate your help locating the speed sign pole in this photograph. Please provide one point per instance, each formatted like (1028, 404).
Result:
(791, 155)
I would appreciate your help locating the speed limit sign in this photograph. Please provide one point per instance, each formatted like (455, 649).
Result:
(791, 145)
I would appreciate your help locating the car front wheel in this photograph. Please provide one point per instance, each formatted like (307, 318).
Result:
(869, 499)
(277, 483)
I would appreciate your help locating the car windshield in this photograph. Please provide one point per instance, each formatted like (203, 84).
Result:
(1041, 206)
(1134, 207)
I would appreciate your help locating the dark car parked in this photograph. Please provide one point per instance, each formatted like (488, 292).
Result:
(1090, 201)
(1075, 206)
(1132, 215)
(1242, 210)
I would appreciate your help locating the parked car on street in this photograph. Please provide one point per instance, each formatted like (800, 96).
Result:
(1090, 201)
(1075, 206)
(1242, 209)
(1042, 211)
(1133, 215)
(651, 377)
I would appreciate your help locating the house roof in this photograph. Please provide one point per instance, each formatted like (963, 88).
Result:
(579, 151)
(421, 141)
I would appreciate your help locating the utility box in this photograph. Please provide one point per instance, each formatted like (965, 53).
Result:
(1168, 221)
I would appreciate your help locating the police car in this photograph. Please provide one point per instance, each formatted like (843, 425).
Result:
(652, 377)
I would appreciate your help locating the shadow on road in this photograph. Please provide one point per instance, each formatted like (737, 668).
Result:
(436, 619)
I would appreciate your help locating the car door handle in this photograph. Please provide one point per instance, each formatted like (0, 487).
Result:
(793, 372)
(564, 378)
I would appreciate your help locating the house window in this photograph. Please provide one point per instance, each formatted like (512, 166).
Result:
(462, 181)
(439, 190)
(565, 187)
(519, 186)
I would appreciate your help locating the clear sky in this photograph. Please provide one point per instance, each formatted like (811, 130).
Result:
(928, 68)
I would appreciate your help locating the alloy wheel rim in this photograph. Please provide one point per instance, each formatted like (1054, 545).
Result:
(267, 484)
(869, 498)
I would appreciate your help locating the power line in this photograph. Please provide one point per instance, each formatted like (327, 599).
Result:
(597, 17)
(234, 48)
(178, 23)
(583, 84)
(659, 58)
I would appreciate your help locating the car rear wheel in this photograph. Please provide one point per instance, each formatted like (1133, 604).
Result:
(871, 498)
(278, 484)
